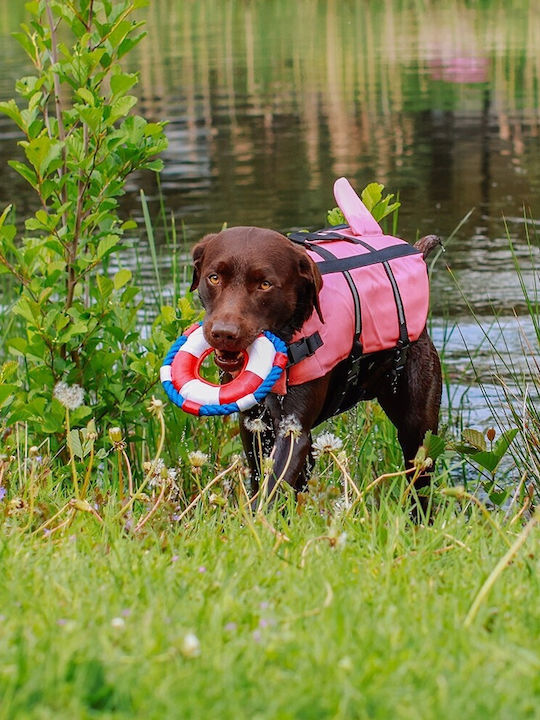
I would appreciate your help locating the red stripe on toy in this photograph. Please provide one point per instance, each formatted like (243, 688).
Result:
(191, 329)
(183, 368)
(191, 407)
(280, 359)
(246, 383)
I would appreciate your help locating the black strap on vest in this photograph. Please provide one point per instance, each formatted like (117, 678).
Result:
(330, 264)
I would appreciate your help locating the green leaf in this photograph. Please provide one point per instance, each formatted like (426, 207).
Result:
(372, 194)
(92, 116)
(106, 244)
(123, 82)
(434, 445)
(87, 96)
(474, 438)
(488, 460)
(154, 165)
(10, 109)
(4, 215)
(168, 314)
(26, 172)
(121, 107)
(42, 153)
(121, 278)
(7, 392)
(74, 444)
(504, 441)
(335, 217)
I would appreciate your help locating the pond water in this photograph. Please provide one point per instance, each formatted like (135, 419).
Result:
(269, 101)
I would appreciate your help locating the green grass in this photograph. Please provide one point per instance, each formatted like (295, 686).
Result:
(93, 623)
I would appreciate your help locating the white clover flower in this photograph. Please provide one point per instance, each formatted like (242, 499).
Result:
(257, 425)
(71, 396)
(326, 443)
(157, 470)
(191, 647)
(197, 458)
(341, 505)
(118, 622)
(290, 427)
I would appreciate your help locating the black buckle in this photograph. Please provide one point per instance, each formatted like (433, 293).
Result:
(303, 348)
(398, 362)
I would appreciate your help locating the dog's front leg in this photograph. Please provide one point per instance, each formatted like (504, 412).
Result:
(293, 417)
(257, 435)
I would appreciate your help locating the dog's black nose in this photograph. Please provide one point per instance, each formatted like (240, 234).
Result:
(225, 332)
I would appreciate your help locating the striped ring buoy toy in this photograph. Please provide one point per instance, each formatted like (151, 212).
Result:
(265, 360)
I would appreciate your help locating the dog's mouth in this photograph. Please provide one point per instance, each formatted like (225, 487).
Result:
(230, 361)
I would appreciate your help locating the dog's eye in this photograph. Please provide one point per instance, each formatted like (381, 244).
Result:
(265, 285)
(213, 279)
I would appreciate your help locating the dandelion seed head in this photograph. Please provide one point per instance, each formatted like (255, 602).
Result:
(257, 425)
(326, 442)
(290, 427)
(71, 396)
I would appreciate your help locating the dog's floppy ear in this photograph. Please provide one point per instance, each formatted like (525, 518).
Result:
(197, 253)
(309, 272)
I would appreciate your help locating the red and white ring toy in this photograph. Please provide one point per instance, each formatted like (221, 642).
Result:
(264, 361)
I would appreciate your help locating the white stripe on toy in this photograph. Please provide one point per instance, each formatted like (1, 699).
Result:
(165, 373)
(246, 402)
(195, 344)
(261, 355)
(200, 392)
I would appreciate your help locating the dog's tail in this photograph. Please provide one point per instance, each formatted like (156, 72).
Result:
(427, 244)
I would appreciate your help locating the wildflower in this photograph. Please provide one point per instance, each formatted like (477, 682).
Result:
(3, 493)
(115, 436)
(157, 470)
(340, 505)
(197, 458)
(156, 406)
(257, 425)
(326, 443)
(202, 569)
(118, 622)
(175, 558)
(267, 465)
(345, 663)
(191, 647)
(71, 396)
(230, 627)
(290, 427)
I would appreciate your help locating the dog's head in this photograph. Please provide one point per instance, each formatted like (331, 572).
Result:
(249, 280)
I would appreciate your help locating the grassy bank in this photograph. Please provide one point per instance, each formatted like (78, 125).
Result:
(342, 618)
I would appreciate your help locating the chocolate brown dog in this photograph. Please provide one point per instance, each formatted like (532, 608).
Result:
(249, 280)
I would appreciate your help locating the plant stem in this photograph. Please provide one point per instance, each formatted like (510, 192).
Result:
(499, 567)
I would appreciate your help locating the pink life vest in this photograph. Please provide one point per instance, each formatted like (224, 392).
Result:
(391, 291)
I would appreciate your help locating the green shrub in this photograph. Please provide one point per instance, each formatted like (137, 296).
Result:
(77, 322)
